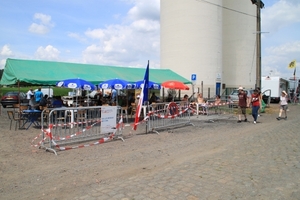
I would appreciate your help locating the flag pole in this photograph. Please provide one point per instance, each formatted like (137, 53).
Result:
(143, 97)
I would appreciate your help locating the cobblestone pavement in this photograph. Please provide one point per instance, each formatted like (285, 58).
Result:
(227, 161)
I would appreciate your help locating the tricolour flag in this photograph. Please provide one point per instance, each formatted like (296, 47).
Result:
(143, 97)
(292, 64)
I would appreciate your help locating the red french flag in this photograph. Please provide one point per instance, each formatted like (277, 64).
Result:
(143, 97)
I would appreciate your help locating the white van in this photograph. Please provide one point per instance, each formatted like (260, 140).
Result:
(48, 91)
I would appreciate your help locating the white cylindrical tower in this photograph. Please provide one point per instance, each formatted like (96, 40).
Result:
(239, 44)
(191, 39)
(213, 39)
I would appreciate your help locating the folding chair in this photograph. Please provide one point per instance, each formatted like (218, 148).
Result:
(12, 117)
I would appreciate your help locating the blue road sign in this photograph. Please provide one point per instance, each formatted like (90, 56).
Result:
(194, 77)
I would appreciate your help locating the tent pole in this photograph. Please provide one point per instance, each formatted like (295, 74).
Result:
(0, 105)
(19, 96)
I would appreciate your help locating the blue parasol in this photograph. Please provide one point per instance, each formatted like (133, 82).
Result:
(76, 83)
(116, 83)
(152, 85)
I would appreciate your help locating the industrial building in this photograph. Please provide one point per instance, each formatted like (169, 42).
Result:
(210, 41)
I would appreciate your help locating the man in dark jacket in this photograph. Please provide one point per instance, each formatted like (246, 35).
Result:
(243, 104)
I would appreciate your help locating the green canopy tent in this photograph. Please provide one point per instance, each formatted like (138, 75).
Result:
(48, 73)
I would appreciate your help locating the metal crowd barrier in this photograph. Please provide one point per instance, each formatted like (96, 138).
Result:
(164, 115)
(77, 125)
(210, 108)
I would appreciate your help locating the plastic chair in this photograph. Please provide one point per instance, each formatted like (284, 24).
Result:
(124, 111)
(12, 117)
(133, 109)
(46, 112)
(81, 117)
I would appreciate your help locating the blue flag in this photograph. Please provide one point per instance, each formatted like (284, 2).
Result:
(143, 97)
(146, 85)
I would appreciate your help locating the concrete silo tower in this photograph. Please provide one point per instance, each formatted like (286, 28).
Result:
(202, 37)
(239, 44)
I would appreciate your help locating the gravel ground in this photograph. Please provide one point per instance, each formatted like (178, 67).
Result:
(31, 173)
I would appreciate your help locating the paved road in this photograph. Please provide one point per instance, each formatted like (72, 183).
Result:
(227, 161)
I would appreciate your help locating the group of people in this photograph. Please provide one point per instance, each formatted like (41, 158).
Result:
(256, 101)
(37, 100)
(109, 98)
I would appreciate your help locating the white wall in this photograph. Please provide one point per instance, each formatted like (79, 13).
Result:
(239, 44)
(191, 39)
(205, 39)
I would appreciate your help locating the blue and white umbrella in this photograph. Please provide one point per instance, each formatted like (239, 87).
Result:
(76, 83)
(151, 85)
(116, 83)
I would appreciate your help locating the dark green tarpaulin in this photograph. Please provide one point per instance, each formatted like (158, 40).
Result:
(34, 72)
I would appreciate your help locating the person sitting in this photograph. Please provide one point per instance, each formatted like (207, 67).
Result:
(217, 100)
(153, 98)
(57, 102)
(93, 94)
(137, 100)
(32, 103)
(185, 98)
(131, 100)
(185, 101)
(217, 103)
(169, 98)
(200, 99)
(201, 104)
(99, 98)
(44, 100)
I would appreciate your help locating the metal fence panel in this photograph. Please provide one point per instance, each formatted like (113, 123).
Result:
(74, 125)
(164, 115)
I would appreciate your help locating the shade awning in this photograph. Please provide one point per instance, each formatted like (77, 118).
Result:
(33, 72)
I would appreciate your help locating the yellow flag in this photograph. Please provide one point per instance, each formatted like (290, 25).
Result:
(292, 64)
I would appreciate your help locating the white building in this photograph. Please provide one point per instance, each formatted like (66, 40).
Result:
(214, 39)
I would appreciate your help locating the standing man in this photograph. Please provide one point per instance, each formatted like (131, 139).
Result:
(243, 103)
(29, 93)
(255, 100)
(260, 100)
(38, 95)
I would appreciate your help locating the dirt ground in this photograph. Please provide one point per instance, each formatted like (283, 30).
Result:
(27, 172)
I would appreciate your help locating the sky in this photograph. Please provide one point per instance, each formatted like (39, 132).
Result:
(125, 32)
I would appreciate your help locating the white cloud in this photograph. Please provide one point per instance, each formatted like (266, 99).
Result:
(145, 25)
(5, 51)
(145, 9)
(47, 53)
(95, 33)
(77, 37)
(138, 39)
(282, 21)
(285, 49)
(44, 24)
(281, 14)
(2, 63)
